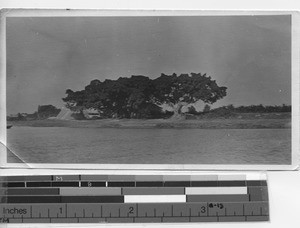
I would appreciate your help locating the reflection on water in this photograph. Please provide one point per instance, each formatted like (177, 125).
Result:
(151, 146)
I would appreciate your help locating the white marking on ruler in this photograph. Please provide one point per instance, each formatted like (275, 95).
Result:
(215, 190)
(231, 177)
(256, 176)
(154, 198)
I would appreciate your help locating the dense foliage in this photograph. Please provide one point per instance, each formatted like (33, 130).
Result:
(43, 112)
(232, 111)
(141, 97)
(46, 111)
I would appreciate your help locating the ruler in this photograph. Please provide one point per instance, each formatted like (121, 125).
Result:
(132, 199)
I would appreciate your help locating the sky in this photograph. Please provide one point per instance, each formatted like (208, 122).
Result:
(251, 55)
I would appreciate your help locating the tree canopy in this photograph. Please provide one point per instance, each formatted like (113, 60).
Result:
(141, 97)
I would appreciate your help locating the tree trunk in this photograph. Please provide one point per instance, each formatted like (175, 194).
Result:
(177, 110)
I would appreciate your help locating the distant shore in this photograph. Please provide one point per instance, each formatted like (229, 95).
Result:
(245, 121)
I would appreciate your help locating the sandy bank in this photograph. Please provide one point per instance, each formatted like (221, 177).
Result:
(162, 123)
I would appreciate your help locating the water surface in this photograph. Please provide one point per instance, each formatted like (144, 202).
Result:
(150, 146)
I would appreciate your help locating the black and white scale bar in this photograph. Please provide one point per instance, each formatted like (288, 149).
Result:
(35, 184)
(132, 180)
(10, 195)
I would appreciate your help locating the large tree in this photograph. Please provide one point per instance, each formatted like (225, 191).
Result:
(184, 89)
(141, 97)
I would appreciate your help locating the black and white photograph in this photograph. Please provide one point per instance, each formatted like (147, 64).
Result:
(150, 88)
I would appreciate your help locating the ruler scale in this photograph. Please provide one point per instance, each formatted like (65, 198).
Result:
(133, 199)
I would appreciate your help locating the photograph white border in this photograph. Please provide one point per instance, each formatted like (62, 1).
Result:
(106, 13)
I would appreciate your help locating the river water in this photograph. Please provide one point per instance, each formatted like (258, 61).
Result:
(150, 146)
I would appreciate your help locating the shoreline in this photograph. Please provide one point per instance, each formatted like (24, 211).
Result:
(216, 123)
